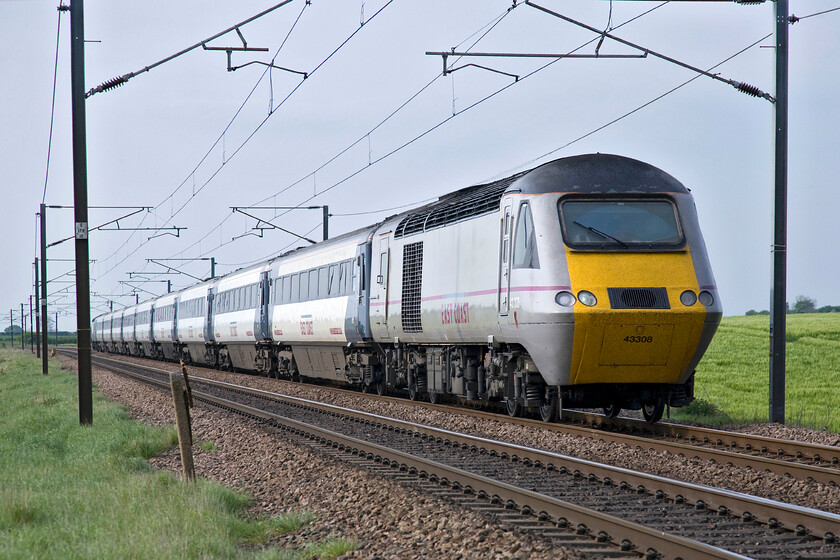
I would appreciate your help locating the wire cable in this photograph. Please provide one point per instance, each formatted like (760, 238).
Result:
(486, 28)
(640, 107)
(253, 133)
(794, 19)
(409, 205)
(213, 146)
(52, 109)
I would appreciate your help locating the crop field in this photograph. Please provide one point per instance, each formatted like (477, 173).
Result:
(732, 382)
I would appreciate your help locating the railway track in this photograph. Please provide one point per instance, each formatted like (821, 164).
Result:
(796, 459)
(551, 493)
(800, 460)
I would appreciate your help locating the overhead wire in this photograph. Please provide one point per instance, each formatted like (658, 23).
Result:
(487, 28)
(794, 19)
(206, 155)
(171, 195)
(444, 121)
(464, 110)
(640, 107)
(382, 210)
(253, 133)
(52, 108)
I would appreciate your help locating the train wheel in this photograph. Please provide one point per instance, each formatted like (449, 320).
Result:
(549, 411)
(652, 411)
(380, 388)
(612, 410)
(513, 408)
(434, 398)
(412, 392)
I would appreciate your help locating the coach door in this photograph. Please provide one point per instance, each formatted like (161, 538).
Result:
(504, 260)
(379, 292)
(264, 332)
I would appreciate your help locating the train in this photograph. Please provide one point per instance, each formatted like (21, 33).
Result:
(583, 282)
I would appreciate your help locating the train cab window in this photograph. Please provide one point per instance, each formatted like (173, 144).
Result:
(525, 241)
(621, 224)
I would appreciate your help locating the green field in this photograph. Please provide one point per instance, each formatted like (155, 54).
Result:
(732, 382)
(68, 491)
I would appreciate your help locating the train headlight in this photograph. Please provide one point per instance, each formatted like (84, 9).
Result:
(688, 298)
(566, 299)
(587, 298)
(706, 298)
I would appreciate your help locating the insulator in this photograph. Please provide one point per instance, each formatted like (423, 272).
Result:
(111, 84)
(748, 89)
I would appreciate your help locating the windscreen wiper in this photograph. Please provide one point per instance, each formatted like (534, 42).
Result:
(602, 234)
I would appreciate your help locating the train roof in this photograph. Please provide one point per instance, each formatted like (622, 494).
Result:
(597, 174)
(589, 173)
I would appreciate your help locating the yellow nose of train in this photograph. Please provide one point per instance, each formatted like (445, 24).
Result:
(639, 329)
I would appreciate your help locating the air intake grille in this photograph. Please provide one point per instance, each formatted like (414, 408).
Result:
(455, 207)
(412, 280)
(638, 298)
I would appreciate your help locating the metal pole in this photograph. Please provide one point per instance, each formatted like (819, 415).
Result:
(31, 340)
(778, 307)
(55, 345)
(80, 209)
(212, 267)
(44, 335)
(37, 313)
(326, 222)
(11, 328)
(22, 327)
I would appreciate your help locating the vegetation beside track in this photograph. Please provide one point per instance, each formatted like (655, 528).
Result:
(732, 381)
(68, 491)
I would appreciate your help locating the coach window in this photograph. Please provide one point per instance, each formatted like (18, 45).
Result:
(314, 284)
(525, 243)
(295, 293)
(304, 286)
(287, 289)
(332, 288)
(323, 282)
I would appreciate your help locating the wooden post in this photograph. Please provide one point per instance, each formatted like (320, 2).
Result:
(182, 423)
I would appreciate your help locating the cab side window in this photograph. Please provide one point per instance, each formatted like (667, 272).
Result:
(525, 253)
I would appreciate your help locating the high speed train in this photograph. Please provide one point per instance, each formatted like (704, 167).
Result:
(583, 282)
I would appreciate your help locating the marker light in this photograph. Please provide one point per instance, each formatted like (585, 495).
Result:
(587, 298)
(566, 299)
(688, 298)
(706, 298)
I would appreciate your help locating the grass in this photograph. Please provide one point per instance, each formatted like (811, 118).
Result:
(68, 491)
(732, 381)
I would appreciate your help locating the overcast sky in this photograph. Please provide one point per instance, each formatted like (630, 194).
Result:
(171, 139)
